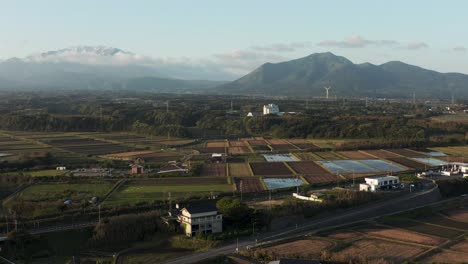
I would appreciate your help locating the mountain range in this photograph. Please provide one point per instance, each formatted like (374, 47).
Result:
(309, 75)
(86, 67)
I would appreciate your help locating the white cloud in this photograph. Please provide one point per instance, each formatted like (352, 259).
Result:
(459, 49)
(415, 45)
(356, 41)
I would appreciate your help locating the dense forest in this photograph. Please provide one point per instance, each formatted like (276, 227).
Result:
(196, 116)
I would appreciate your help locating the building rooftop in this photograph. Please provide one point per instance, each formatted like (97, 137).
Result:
(200, 206)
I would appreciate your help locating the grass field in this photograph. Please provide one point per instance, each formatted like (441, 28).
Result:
(133, 194)
(461, 117)
(53, 192)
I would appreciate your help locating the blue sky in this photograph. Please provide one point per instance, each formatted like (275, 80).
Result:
(240, 35)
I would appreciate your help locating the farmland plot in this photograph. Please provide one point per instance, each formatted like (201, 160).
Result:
(282, 147)
(248, 184)
(236, 144)
(239, 170)
(408, 153)
(308, 168)
(383, 154)
(212, 150)
(377, 249)
(279, 157)
(216, 144)
(257, 142)
(238, 150)
(301, 248)
(403, 235)
(357, 155)
(381, 165)
(270, 169)
(431, 161)
(213, 169)
(278, 183)
(408, 163)
(447, 256)
(324, 178)
(354, 166)
(333, 167)
(306, 156)
(303, 144)
(328, 155)
(461, 246)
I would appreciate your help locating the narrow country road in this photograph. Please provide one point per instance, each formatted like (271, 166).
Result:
(350, 216)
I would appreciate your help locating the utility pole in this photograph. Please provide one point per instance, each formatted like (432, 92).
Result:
(100, 118)
(16, 225)
(414, 98)
(167, 106)
(7, 227)
(170, 202)
(240, 185)
(99, 214)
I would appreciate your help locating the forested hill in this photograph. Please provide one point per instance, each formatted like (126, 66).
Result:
(307, 77)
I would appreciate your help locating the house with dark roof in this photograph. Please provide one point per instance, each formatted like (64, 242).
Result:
(199, 217)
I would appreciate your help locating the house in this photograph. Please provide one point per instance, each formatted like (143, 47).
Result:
(295, 261)
(137, 169)
(61, 168)
(200, 217)
(380, 183)
(271, 109)
(172, 167)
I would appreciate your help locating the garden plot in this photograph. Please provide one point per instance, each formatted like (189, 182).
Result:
(277, 141)
(328, 155)
(216, 144)
(248, 184)
(354, 166)
(381, 165)
(213, 170)
(308, 168)
(333, 167)
(408, 153)
(239, 170)
(431, 161)
(270, 169)
(301, 248)
(408, 163)
(282, 147)
(306, 156)
(279, 157)
(378, 249)
(358, 155)
(447, 256)
(324, 178)
(383, 154)
(461, 246)
(238, 150)
(303, 144)
(236, 144)
(257, 142)
(403, 235)
(261, 148)
(278, 183)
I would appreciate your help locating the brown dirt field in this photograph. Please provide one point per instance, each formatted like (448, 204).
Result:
(282, 147)
(236, 143)
(447, 256)
(277, 141)
(239, 170)
(459, 215)
(217, 144)
(315, 179)
(249, 184)
(257, 142)
(383, 154)
(345, 235)
(303, 248)
(404, 235)
(408, 153)
(408, 163)
(461, 246)
(355, 154)
(238, 150)
(213, 170)
(328, 155)
(376, 249)
(453, 159)
(308, 167)
(270, 168)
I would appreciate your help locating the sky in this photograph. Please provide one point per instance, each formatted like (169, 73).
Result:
(240, 35)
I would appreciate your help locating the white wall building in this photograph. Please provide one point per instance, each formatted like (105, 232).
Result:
(271, 109)
(379, 183)
(201, 218)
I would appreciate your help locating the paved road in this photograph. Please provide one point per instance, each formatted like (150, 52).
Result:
(347, 217)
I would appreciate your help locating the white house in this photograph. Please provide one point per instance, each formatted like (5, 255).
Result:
(200, 217)
(379, 183)
(61, 168)
(271, 109)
